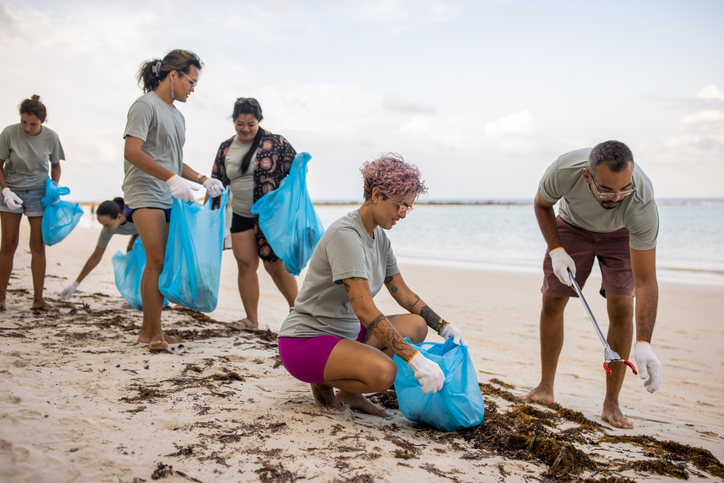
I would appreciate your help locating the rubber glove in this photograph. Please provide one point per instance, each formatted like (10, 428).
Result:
(648, 365)
(450, 331)
(561, 262)
(68, 291)
(427, 373)
(11, 199)
(214, 187)
(181, 189)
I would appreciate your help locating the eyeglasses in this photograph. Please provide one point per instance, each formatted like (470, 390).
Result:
(610, 196)
(403, 209)
(192, 82)
(247, 100)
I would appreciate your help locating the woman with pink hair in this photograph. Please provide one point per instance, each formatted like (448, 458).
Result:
(335, 336)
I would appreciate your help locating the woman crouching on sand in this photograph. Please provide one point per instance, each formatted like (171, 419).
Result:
(335, 336)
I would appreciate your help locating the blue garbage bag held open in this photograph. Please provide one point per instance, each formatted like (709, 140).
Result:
(459, 404)
(288, 220)
(59, 217)
(128, 271)
(192, 265)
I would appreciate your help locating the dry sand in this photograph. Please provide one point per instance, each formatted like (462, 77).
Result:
(81, 401)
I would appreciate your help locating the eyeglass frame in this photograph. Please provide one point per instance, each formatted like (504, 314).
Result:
(248, 100)
(193, 83)
(610, 196)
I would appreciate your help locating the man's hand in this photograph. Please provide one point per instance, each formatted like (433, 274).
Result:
(427, 373)
(450, 331)
(562, 262)
(648, 365)
(214, 187)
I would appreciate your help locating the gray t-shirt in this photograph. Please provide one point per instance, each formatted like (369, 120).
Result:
(126, 228)
(344, 251)
(563, 180)
(242, 185)
(27, 158)
(163, 131)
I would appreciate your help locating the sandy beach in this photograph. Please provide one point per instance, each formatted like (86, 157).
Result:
(81, 401)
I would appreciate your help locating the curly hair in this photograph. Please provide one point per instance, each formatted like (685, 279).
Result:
(614, 154)
(395, 178)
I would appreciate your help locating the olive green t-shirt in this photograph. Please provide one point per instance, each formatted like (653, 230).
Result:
(563, 180)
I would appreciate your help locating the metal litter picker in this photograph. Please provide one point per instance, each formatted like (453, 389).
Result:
(608, 354)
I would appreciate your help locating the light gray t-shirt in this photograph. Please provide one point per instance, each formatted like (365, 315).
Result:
(163, 131)
(344, 251)
(242, 185)
(27, 158)
(126, 228)
(563, 180)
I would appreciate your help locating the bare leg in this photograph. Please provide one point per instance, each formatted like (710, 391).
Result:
(153, 230)
(244, 246)
(619, 337)
(551, 343)
(37, 259)
(356, 369)
(285, 281)
(10, 223)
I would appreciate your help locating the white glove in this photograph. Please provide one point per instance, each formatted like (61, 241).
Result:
(450, 331)
(12, 200)
(562, 261)
(427, 373)
(214, 187)
(181, 189)
(649, 366)
(68, 291)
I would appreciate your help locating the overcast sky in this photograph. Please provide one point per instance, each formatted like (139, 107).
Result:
(481, 95)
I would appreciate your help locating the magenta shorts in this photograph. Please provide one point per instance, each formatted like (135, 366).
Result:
(583, 246)
(306, 357)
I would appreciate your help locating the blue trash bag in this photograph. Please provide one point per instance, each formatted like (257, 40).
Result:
(459, 404)
(192, 265)
(128, 271)
(60, 217)
(288, 220)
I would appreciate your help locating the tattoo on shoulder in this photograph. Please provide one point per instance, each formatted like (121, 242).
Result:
(388, 280)
(347, 287)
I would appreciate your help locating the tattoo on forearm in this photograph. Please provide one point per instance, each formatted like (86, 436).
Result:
(434, 321)
(417, 299)
(347, 287)
(388, 335)
(388, 280)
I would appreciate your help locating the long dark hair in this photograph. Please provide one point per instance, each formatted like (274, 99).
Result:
(34, 107)
(111, 208)
(249, 105)
(152, 72)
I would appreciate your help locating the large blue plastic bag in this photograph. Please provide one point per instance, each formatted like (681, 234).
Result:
(192, 265)
(59, 217)
(459, 404)
(128, 272)
(288, 220)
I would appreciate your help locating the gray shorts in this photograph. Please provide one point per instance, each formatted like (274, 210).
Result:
(32, 204)
(583, 246)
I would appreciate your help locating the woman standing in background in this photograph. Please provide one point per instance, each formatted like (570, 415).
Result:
(26, 149)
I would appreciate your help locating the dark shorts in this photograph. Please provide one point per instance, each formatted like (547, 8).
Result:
(583, 246)
(305, 357)
(241, 223)
(128, 212)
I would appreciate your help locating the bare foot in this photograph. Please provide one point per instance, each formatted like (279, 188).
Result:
(158, 345)
(324, 396)
(612, 414)
(144, 339)
(361, 403)
(539, 394)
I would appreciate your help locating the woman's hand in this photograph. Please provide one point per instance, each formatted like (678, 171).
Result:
(213, 186)
(450, 331)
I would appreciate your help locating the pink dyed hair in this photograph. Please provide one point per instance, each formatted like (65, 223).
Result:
(396, 179)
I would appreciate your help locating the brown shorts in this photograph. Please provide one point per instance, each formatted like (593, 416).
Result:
(614, 258)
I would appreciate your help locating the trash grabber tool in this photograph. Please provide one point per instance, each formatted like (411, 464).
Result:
(608, 354)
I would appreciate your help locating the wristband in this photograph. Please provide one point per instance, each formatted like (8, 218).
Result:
(198, 178)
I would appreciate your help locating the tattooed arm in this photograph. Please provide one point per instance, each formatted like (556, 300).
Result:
(358, 291)
(411, 302)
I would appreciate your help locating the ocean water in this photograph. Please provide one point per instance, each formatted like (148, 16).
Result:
(506, 236)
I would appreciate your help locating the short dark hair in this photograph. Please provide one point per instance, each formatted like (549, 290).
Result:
(34, 107)
(176, 60)
(111, 208)
(614, 154)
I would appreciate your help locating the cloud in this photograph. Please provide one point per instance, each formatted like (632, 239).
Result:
(394, 103)
(514, 132)
(709, 93)
(703, 117)
(448, 131)
(397, 16)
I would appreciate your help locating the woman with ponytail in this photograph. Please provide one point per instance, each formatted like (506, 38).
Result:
(252, 163)
(111, 215)
(27, 151)
(155, 172)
